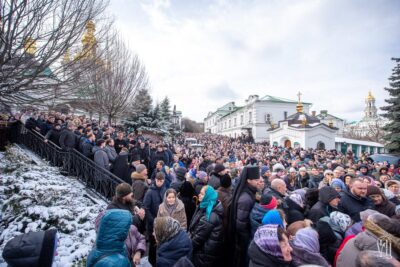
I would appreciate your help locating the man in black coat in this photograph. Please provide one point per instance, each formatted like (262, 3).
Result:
(54, 134)
(120, 142)
(160, 154)
(242, 203)
(152, 200)
(121, 165)
(124, 200)
(355, 201)
(68, 139)
(328, 200)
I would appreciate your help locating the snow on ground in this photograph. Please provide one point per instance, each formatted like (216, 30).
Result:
(34, 196)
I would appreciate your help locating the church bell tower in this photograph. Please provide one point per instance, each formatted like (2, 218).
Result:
(370, 111)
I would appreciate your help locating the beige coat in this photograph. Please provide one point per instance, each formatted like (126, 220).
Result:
(178, 214)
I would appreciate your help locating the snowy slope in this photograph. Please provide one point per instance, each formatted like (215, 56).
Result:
(34, 195)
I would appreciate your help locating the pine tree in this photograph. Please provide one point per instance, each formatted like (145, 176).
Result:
(165, 116)
(393, 110)
(141, 110)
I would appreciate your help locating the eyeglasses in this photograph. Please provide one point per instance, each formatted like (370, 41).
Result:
(330, 174)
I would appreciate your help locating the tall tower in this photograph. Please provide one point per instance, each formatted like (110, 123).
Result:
(370, 111)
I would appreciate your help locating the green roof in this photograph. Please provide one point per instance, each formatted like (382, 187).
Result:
(232, 111)
(279, 99)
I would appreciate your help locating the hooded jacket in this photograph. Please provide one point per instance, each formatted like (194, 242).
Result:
(139, 186)
(174, 248)
(322, 207)
(207, 236)
(101, 158)
(110, 250)
(152, 200)
(31, 249)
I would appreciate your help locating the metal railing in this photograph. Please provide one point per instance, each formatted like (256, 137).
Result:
(71, 162)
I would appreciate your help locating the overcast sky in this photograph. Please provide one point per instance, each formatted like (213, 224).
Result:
(205, 53)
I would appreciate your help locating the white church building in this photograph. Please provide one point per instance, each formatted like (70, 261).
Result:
(254, 118)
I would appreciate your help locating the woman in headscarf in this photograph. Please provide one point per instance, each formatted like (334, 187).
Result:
(306, 248)
(173, 242)
(206, 229)
(270, 247)
(173, 207)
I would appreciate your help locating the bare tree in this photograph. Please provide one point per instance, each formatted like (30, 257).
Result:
(34, 38)
(113, 87)
(369, 132)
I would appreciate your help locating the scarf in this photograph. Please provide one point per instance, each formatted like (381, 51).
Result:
(307, 239)
(266, 238)
(209, 200)
(165, 228)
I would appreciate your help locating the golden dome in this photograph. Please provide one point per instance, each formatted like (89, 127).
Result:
(370, 97)
(30, 46)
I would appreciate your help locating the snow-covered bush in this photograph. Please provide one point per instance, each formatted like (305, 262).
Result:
(34, 196)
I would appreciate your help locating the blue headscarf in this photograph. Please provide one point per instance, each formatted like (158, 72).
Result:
(209, 200)
(273, 217)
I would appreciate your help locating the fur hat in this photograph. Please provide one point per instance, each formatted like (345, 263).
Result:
(140, 168)
(122, 190)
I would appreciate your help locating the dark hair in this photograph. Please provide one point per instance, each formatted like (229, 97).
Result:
(169, 191)
(109, 141)
(100, 142)
(160, 176)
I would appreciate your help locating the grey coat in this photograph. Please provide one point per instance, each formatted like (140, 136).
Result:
(111, 153)
(101, 158)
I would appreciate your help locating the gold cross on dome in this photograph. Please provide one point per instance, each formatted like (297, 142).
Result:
(299, 95)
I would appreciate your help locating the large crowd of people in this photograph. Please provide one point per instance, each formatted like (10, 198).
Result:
(233, 202)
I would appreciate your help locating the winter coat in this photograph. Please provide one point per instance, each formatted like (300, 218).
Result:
(363, 241)
(144, 156)
(135, 242)
(46, 127)
(111, 153)
(114, 204)
(109, 249)
(294, 213)
(259, 258)
(352, 205)
(322, 207)
(314, 181)
(256, 216)
(31, 124)
(121, 168)
(159, 156)
(152, 200)
(178, 213)
(302, 182)
(87, 148)
(169, 252)
(244, 206)
(139, 186)
(215, 181)
(225, 197)
(186, 194)
(118, 142)
(207, 236)
(386, 207)
(31, 249)
(54, 136)
(68, 139)
(101, 158)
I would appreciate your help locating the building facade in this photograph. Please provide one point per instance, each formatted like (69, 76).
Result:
(253, 119)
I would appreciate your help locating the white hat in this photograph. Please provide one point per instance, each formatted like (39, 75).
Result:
(278, 167)
(327, 171)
